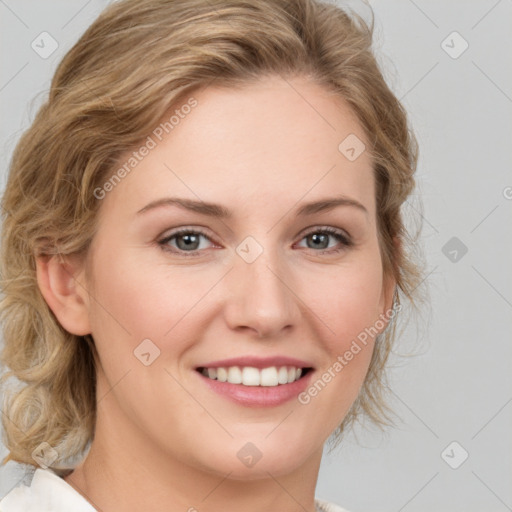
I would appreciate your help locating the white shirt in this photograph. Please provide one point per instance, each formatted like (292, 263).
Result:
(48, 492)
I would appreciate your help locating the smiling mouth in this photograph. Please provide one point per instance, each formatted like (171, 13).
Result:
(271, 376)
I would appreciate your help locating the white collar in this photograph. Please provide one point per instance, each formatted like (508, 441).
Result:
(47, 493)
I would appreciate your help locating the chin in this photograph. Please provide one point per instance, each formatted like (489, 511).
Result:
(244, 459)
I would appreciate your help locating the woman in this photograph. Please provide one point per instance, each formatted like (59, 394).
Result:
(203, 255)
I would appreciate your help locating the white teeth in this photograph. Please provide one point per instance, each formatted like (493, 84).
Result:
(269, 376)
(222, 374)
(234, 375)
(250, 376)
(282, 376)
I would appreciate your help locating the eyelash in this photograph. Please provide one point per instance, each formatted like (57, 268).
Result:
(339, 235)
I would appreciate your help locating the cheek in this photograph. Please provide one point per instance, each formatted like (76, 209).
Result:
(136, 300)
(348, 300)
(348, 315)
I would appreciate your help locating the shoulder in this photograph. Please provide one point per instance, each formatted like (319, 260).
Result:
(46, 493)
(324, 506)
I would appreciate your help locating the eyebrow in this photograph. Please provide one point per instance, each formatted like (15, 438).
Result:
(219, 211)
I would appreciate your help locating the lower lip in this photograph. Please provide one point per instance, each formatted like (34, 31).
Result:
(258, 396)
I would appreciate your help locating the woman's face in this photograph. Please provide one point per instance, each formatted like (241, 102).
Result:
(255, 280)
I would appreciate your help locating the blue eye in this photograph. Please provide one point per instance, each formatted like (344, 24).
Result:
(187, 242)
(320, 237)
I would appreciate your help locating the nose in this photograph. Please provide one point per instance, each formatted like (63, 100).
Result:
(261, 297)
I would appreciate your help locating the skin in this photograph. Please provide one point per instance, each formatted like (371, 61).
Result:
(163, 440)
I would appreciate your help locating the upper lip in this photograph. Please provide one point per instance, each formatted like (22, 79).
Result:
(257, 362)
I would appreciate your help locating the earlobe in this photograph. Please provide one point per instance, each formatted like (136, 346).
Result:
(389, 286)
(58, 280)
(392, 286)
(387, 303)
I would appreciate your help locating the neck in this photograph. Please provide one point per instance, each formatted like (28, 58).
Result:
(125, 471)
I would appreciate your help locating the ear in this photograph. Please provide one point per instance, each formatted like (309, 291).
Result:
(60, 280)
(389, 285)
(388, 294)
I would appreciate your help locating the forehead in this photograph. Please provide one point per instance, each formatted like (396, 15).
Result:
(272, 140)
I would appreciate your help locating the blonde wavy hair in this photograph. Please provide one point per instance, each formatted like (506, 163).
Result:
(109, 92)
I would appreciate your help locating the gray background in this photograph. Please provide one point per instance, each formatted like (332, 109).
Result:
(457, 386)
